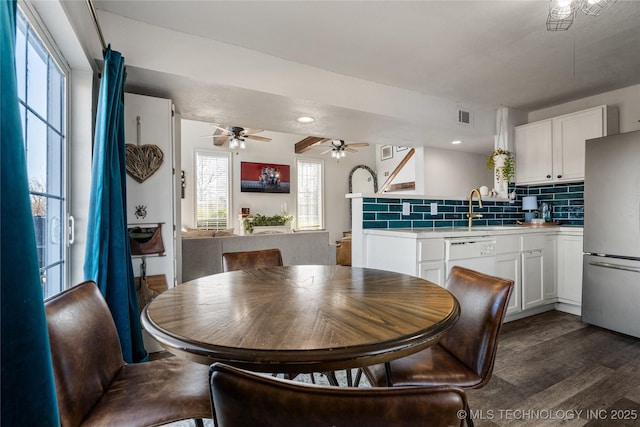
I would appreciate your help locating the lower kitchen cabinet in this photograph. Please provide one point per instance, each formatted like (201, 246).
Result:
(508, 267)
(545, 265)
(433, 271)
(550, 270)
(532, 278)
(570, 269)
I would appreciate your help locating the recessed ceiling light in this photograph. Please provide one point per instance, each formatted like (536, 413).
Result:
(456, 142)
(306, 119)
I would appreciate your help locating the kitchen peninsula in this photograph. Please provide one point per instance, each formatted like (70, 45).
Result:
(545, 262)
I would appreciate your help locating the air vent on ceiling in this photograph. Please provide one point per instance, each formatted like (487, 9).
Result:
(464, 117)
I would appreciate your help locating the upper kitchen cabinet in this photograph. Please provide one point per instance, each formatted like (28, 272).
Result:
(552, 150)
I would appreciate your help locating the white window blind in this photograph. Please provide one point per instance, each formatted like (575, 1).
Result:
(212, 190)
(310, 210)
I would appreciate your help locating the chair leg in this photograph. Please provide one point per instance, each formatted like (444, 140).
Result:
(331, 377)
(387, 370)
(468, 420)
(199, 422)
(356, 381)
(349, 378)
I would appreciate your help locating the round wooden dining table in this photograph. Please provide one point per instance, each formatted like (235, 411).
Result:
(300, 319)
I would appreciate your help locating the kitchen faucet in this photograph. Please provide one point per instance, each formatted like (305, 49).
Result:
(471, 215)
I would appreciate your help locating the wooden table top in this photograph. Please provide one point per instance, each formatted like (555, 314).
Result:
(305, 318)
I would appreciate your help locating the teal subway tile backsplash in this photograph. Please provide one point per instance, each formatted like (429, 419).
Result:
(566, 200)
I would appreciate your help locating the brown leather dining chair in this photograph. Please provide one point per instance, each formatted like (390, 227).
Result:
(251, 259)
(95, 387)
(241, 398)
(465, 356)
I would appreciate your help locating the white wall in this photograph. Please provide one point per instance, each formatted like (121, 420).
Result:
(156, 192)
(626, 99)
(453, 173)
(437, 172)
(281, 151)
(410, 172)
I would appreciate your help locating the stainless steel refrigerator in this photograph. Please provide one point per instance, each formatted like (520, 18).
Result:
(611, 268)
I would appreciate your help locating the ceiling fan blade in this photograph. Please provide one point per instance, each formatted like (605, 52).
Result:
(358, 144)
(325, 140)
(325, 152)
(258, 138)
(220, 128)
(350, 150)
(252, 131)
(218, 142)
(214, 136)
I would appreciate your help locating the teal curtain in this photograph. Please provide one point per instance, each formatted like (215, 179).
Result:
(108, 254)
(28, 389)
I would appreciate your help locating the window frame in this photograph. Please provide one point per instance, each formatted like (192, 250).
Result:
(217, 153)
(321, 197)
(39, 29)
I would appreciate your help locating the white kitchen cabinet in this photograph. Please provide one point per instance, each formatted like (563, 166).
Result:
(532, 278)
(508, 266)
(553, 150)
(534, 148)
(570, 269)
(533, 270)
(392, 253)
(406, 254)
(433, 271)
(550, 267)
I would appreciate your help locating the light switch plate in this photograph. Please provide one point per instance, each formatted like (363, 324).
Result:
(406, 208)
(434, 208)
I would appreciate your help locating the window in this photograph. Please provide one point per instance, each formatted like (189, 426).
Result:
(310, 210)
(212, 190)
(42, 102)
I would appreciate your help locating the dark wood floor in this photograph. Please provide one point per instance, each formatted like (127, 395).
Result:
(552, 370)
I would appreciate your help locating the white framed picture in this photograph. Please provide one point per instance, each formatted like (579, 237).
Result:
(386, 152)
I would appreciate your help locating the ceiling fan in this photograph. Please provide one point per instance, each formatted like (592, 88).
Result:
(236, 136)
(338, 147)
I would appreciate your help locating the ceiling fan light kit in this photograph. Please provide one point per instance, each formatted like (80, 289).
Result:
(562, 13)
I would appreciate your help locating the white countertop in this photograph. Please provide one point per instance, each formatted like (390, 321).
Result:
(445, 232)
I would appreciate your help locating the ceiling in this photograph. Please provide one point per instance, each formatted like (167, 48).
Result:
(379, 72)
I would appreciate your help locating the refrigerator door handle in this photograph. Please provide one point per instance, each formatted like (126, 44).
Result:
(615, 266)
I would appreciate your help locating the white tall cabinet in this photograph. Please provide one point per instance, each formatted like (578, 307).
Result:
(553, 150)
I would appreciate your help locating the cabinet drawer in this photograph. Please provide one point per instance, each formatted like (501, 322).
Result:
(507, 244)
(533, 242)
(431, 250)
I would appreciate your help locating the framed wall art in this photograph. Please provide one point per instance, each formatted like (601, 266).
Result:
(386, 152)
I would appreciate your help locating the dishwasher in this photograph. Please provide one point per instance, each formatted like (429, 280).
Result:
(475, 253)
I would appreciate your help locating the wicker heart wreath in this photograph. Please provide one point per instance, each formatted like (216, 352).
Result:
(143, 160)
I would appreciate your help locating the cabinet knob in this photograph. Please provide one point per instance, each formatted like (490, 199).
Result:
(548, 176)
(559, 176)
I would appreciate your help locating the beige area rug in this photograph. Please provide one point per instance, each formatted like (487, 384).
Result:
(320, 379)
